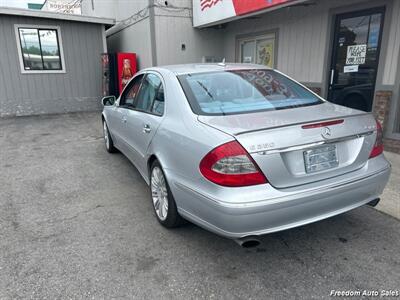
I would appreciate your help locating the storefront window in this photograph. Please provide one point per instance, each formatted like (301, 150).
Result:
(248, 48)
(258, 50)
(40, 49)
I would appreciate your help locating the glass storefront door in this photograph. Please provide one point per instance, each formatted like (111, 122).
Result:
(355, 58)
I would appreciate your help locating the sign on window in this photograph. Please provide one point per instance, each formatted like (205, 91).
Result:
(356, 54)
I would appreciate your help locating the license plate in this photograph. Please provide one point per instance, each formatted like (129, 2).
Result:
(320, 159)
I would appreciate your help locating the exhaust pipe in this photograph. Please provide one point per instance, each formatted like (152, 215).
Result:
(248, 242)
(374, 203)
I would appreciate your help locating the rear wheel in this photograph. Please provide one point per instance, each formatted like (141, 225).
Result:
(107, 139)
(163, 202)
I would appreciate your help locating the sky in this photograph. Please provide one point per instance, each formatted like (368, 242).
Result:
(18, 3)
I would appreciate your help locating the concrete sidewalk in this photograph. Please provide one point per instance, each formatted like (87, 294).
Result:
(390, 200)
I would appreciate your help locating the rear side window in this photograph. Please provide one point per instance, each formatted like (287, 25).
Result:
(243, 91)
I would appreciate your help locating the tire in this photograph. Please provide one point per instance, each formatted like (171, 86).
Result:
(107, 139)
(163, 201)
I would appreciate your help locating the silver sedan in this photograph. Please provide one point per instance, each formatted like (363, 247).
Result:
(242, 150)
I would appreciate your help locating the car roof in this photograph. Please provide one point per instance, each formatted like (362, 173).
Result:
(209, 67)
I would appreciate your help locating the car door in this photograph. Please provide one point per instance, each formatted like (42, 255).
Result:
(118, 120)
(145, 118)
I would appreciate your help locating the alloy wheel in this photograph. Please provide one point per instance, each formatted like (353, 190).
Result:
(159, 193)
(106, 139)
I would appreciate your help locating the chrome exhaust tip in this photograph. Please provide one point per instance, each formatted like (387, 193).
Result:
(374, 202)
(248, 242)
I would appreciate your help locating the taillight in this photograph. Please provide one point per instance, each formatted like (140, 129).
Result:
(230, 165)
(378, 146)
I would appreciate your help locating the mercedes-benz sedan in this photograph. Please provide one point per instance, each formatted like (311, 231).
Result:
(242, 150)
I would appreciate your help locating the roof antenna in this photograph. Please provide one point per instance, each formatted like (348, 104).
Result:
(222, 63)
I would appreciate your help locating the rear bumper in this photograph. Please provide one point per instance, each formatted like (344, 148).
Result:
(280, 209)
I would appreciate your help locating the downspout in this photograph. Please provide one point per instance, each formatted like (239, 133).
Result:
(153, 44)
(104, 37)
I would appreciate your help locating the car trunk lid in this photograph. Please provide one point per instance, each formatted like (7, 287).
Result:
(302, 145)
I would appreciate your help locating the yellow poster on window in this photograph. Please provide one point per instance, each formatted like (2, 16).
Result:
(265, 52)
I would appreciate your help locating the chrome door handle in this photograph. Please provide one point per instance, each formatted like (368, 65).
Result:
(124, 119)
(146, 128)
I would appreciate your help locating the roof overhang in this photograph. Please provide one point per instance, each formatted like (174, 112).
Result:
(54, 15)
(213, 12)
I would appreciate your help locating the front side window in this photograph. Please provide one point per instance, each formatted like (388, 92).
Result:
(40, 49)
(151, 95)
(129, 94)
(243, 91)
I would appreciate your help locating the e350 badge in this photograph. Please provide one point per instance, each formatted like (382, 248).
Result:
(261, 147)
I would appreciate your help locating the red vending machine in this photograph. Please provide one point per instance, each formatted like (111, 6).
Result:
(118, 69)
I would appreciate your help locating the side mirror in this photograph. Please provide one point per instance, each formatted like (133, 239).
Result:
(108, 101)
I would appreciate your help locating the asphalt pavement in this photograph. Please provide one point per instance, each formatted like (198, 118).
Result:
(77, 222)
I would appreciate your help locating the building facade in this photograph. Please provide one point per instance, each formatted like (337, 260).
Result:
(159, 32)
(345, 50)
(50, 62)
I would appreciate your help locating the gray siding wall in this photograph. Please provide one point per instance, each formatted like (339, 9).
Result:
(79, 89)
(175, 27)
(393, 47)
(304, 38)
(135, 38)
(131, 34)
(172, 28)
(301, 39)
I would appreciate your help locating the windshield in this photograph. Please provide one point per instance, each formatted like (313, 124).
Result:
(242, 91)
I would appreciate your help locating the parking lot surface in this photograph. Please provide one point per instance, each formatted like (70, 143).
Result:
(77, 222)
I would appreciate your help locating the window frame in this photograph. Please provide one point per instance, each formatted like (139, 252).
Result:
(127, 89)
(144, 76)
(152, 103)
(255, 37)
(19, 48)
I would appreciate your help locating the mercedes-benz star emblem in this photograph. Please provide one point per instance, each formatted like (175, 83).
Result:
(326, 133)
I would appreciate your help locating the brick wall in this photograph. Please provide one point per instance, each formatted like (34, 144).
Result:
(391, 145)
(381, 111)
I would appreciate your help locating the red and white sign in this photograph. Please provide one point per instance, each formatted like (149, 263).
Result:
(207, 12)
(208, 3)
(126, 68)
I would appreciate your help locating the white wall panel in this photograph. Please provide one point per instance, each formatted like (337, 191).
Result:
(302, 39)
(174, 27)
(135, 38)
(393, 47)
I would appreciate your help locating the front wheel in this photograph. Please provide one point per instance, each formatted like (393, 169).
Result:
(163, 202)
(108, 140)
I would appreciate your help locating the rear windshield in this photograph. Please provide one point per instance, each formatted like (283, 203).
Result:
(243, 91)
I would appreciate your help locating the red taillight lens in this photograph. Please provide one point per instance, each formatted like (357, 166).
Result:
(230, 165)
(322, 124)
(378, 146)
